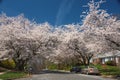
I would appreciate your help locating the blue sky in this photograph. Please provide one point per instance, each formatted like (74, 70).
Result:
(55, 12)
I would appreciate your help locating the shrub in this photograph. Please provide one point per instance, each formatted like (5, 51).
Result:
(52, 66)
(110, 63)
(9, 63)
(108, 70)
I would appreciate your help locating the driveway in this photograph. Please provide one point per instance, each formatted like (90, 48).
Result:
(57, 75)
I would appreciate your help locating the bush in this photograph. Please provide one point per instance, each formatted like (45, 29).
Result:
(9, 63)
(110, 63)
(108, 70)
(52, 66)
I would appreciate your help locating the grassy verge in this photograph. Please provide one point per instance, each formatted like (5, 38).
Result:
(104, 69)
(12, 75)
(108, 70)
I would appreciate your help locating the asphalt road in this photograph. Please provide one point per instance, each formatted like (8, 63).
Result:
(56, 75)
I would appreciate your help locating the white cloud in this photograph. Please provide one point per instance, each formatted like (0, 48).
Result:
(64, 9)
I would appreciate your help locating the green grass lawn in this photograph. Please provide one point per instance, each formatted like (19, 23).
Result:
(108, 70)
(12, 75)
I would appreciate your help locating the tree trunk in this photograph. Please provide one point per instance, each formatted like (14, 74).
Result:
(19, 65)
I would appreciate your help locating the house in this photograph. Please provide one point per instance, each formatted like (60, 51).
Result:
(110, 56)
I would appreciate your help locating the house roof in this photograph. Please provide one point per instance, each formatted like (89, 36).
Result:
(108, 54)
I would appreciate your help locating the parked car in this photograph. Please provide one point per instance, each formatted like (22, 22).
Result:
(75, 69)
(90, 70)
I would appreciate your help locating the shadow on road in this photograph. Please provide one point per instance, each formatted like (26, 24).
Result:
(52, 72)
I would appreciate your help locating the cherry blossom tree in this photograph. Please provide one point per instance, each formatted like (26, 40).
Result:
(99, 33)
(24, 40)
(73, 45)
(97, 27)
(13, 30)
